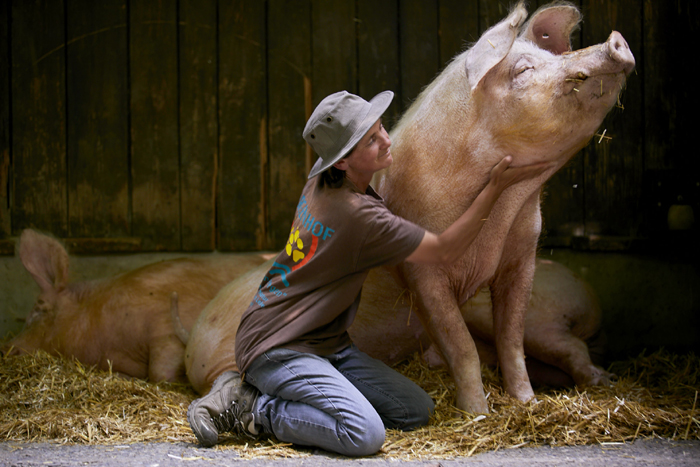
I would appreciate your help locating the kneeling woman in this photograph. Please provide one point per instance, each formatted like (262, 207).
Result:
(304, 381)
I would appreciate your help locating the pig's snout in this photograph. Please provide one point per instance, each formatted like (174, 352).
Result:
(619, 51)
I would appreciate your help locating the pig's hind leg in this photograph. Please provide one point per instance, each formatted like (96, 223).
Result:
(166, 360)
(555, 345)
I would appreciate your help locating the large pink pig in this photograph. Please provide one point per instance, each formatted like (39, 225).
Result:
(125, 319)
(518, 91)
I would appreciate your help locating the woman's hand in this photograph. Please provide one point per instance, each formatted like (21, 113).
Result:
(453, 242)
(503, 176)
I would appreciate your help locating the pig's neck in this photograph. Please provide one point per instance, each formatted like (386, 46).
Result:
(436, 176)
(444, 150)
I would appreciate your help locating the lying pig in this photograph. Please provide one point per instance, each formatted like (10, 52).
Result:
(518, 91)
(125, 319)
(562, 328)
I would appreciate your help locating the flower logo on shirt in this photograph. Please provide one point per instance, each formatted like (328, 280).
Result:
(294, 240)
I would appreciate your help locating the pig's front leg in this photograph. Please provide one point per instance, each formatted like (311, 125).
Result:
(439, 313)
(510, 293)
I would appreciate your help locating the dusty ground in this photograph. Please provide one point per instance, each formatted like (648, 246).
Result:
(643, 452)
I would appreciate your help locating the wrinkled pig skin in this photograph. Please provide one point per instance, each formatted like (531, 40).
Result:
(562, 328)
(124, 319)
(518, 91)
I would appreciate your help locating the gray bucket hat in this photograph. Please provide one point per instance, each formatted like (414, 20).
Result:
(339, 122)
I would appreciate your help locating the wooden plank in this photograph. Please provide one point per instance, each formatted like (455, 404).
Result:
(97, 93)
(613, 177)
(491, 12)
(670, 109)
(198, 123)
(7, 247)
(334, 64)
(6, 98)
(378, 53)
(154, 124)
(79, 246)
(670, 103)
(563, 194)
(334, 51)
(458, 27)
(420, 54)
(38, 116)
(289, 65)
(242, 125)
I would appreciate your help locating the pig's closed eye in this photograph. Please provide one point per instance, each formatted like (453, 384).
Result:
(524, 64)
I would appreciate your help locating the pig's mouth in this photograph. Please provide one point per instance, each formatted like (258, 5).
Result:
(612, 63)
(597, 86)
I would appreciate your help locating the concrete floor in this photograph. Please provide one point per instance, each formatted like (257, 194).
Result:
(661, 453)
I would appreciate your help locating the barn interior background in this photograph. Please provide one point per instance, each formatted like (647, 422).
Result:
(137, 126)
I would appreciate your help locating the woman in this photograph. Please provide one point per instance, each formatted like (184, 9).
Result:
(304, 381)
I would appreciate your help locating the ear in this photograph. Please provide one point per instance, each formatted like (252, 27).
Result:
(45, 259)
(342, 164)
(494, 45)
(551, 27)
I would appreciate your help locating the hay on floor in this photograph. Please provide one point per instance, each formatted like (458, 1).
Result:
(47, 398)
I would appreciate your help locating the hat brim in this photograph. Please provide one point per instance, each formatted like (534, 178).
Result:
(379, 104)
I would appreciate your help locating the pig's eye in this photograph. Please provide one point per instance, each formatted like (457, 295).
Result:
(524, 64)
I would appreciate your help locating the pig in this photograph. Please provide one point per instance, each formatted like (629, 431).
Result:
(563, 334)
(519, 91)
(122, 321)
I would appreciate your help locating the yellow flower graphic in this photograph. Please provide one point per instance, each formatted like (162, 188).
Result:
(297, 255)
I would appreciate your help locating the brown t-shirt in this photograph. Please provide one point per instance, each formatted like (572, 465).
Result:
(309, 297)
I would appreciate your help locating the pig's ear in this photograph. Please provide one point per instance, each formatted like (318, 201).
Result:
(45, 259)
(551, 27)
(494, 45)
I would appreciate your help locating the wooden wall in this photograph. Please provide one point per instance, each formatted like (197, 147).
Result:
(142, 125)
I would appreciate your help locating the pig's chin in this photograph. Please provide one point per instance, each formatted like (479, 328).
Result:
(551, 150)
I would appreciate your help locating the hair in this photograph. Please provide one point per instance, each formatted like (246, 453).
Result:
(333, 177)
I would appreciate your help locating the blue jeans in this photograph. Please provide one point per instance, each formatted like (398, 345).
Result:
(341, 402)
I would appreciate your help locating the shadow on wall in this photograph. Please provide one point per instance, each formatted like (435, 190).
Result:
(647, 301)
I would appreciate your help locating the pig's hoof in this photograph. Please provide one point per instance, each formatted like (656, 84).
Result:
(597, 377)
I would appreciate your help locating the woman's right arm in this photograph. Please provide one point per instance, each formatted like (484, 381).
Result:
(451, 244)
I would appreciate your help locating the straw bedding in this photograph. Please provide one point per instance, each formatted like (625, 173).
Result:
(48, 398)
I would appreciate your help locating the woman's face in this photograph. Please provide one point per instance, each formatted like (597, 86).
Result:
(369, 155)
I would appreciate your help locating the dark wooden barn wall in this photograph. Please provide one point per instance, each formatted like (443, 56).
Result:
(139, 125)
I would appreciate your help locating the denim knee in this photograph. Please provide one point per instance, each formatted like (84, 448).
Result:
(367, 439)
(421, 413)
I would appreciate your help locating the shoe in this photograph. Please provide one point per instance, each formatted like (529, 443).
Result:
(227, 408)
